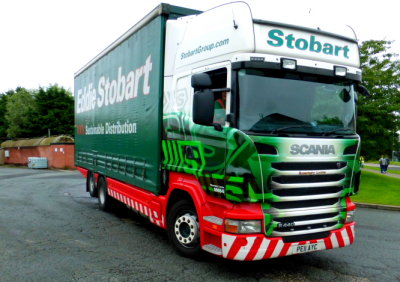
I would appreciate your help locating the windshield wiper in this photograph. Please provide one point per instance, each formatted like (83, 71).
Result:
(291, 126)
(336, 130)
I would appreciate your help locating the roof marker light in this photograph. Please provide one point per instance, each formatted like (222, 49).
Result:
(288, 64)
(257, 59)
(340, 71)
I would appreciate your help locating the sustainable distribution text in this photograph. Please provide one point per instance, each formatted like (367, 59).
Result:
(112, 91)
(118, 127)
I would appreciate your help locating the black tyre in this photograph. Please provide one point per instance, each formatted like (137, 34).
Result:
(183, 229)
(91, 185)
(106, 203)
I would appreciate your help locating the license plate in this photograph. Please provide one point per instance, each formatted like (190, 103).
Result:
(309, 247)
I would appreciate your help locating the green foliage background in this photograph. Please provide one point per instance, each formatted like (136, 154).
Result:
(379, 115)
(31, 113)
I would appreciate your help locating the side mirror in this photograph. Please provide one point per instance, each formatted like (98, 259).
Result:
(203, 107)
(201, 81)
(345, 95)
(363, 90)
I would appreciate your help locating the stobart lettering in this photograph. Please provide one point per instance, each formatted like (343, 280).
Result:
(305, 149)
(278, 38)
(112, 91)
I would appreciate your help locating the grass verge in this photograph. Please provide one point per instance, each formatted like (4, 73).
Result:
(378, 189)
(376, 162)
(378, 169)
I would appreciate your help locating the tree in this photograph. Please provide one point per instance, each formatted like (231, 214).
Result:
(378, 119)
(3, 108)
(20, 110)
(54, 111)
(31, 113)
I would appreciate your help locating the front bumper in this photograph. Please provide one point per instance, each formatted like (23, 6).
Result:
(259, 247)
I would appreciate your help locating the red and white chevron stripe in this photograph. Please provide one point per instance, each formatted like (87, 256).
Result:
(138, 206)
(245, 247)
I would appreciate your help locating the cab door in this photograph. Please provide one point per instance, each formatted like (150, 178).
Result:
(192, 148)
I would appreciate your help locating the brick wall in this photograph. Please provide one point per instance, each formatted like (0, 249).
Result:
(58, 155)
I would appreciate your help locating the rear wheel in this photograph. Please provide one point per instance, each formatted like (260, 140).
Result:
(183, 228)
(106, 203)
(91, 185)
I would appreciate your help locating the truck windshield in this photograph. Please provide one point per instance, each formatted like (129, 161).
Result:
(272, 103)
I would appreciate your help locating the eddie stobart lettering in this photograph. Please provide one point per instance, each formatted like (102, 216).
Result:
(111, 91)
(278, 38)
(305, 149)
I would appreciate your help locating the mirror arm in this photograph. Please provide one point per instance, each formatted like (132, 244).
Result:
(217, 126)
(363, 90)
(218, 90)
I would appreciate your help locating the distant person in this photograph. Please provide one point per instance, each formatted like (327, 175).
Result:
(361, 161)
(383, 164)
(387, 164)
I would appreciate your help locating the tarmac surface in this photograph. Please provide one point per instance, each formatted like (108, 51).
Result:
(52, 230)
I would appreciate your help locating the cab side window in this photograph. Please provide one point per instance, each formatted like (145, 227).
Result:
(219, 81)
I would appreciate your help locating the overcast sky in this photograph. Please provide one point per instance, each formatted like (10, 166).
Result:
(44, 42)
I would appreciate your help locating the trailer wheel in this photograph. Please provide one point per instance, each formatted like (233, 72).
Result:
(106, 202)
(183, 229)
(91, 185)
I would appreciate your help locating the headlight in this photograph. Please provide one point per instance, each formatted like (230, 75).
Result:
(242, 226)
(349, 217)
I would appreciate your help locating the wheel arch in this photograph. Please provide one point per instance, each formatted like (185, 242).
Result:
(177, 195)
(185, 187)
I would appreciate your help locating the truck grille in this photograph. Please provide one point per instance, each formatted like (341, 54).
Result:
(290, 179)
(309, 166)
(306, 198)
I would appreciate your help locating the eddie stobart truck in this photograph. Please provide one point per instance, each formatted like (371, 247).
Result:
(273, 178)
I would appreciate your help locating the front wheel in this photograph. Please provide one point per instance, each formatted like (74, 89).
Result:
(183, 229)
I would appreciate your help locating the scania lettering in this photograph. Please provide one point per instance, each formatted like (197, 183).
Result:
(312, 149)
(236, 135)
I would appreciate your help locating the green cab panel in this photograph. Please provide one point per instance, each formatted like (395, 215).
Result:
(239, 167)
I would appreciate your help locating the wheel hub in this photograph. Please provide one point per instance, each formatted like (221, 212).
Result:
(186, 229)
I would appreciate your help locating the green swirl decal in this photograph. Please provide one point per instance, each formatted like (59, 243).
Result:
(225, 163)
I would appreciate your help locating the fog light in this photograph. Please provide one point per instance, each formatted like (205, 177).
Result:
(349, 217)
(340, 71)
(242, 226)
(288, 64)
